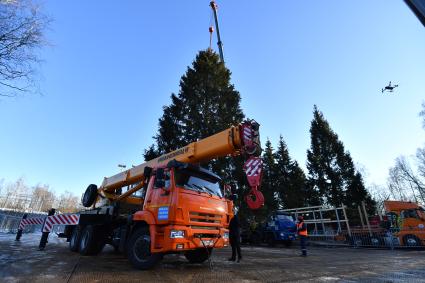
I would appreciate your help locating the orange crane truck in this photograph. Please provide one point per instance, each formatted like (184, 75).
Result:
(169, 204)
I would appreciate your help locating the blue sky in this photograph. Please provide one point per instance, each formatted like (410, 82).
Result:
(113, 65)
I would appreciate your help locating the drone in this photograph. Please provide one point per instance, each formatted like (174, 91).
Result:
(389, 88)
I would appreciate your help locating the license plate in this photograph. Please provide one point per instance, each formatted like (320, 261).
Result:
(208, 242)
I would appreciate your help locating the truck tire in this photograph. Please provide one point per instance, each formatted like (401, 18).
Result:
(411, 241)
(74, 241)
(139, 250)
(198, 255)
(287, 243)
(89, 195)
(91, 241)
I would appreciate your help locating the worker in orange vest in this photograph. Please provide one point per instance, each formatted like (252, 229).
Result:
(302, 234)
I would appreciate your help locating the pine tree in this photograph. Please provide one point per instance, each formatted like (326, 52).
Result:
(206, 104)
(151, 153)
(291, 181)
(331, 169)
(299, 195)
(357, 193)
(269, 183)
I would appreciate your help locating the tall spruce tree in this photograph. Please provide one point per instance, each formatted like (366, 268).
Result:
(206, 104)
(290, 178)
(357, 193)
(331, 169)
(269, 183)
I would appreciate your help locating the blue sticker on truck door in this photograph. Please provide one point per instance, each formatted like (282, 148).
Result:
(163, 213)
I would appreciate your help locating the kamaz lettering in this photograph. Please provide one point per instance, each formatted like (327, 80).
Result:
(173, 154)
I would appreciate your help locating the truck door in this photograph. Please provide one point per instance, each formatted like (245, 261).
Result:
(158, 197)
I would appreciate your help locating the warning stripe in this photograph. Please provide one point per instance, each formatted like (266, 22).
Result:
(254, 171)
(60, 219)
(253, 167)
(248, 164)
(247, 133)
(31, 221)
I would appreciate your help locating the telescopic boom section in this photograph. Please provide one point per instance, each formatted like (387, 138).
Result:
(219, 43)
(242, 139)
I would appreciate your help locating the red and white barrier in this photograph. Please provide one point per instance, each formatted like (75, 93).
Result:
(31, 221)
(60, 219)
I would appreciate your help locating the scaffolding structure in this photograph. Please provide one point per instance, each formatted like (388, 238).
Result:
(323, 220)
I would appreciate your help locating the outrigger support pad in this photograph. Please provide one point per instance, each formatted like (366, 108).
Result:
(45, 235)
(19, 234)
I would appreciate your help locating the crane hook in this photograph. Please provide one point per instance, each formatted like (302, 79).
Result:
(253, 168)
(254, 199)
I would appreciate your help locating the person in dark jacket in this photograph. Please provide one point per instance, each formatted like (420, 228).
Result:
(302, 234)
(234, 237)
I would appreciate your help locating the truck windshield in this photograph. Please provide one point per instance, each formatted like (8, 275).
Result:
(197, 181)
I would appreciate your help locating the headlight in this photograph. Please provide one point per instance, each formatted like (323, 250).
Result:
(176, 234)
(226, 235)
(282, 234)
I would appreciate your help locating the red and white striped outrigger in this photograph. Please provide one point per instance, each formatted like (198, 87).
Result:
(60, 219)
(31, 221)
(48, 222)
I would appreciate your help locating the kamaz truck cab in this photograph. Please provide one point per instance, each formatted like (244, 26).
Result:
(189, 210)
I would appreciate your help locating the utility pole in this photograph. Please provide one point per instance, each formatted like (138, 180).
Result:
(219, 43)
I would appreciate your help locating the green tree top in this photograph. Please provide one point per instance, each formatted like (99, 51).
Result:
(290, 179)
(206, 103)
(331, 169)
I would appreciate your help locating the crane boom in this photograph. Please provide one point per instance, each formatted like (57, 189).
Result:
(240, 139)
(219, 43)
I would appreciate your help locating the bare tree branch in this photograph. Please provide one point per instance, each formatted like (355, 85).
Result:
(22, 27)
(402, 179)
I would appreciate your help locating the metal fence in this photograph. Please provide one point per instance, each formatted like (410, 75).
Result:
(9, 221)
(390, 238)
(378, 238)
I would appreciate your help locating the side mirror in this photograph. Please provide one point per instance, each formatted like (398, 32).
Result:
(160, 178)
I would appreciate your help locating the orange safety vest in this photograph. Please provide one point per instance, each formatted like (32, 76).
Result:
(299, 227)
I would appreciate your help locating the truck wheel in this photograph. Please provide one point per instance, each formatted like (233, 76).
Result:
(91, 241)
(139, 250)
(75, 239)
(89, 195)
(198, 255)
(411, 241)
(287, 243)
